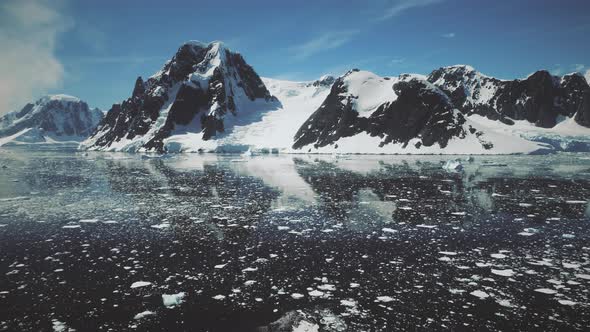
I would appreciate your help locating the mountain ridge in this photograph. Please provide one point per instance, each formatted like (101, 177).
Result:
(207, 98)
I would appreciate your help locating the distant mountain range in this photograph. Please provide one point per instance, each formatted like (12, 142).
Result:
(51, 119)
(208, 99)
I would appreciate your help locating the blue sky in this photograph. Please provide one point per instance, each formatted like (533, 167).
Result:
(100, 47)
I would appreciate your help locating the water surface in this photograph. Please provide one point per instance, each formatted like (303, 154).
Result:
(115, 242)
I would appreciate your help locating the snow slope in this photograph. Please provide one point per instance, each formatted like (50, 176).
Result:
(273, 131)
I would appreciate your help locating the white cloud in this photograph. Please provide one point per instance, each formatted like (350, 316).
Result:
(28, 33)
(578, 67)
(587, 75)
(324, 42)
(448, 35)
(399, 6)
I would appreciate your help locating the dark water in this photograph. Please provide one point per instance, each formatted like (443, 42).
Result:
(283, 243)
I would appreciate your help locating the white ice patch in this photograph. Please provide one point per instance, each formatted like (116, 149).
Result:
(305, 326)
(297, 296)
(172, 300)
(504, 273)
(138, 284)
(546, 291)
(498, 256)
(144, 314)
(480, 294)
(384, 299)
(163, 225)
(60, 326)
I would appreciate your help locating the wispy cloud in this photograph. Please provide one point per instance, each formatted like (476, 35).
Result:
(448, 35)
(28, 34)
(396, 7)
(578, 67)
(326, 41)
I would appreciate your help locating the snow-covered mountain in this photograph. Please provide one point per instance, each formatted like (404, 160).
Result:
(453, 110)
(51, 119)
(208, 99)
(541, 98)
(198, 97)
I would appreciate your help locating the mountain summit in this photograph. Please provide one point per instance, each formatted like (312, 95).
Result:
(205, 88)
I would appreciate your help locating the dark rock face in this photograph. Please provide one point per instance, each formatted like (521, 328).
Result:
(333, 120)
(419, 112)
(325, 81)
(540, 98)
(583, 110)
(52, 115)
(200, 80)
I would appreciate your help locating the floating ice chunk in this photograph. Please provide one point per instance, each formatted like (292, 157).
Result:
(354, 285)
(426, 226)
(327, 287)
(498, 256)
(567, 302)
(546, 291)
(220, 266)
(459, 213)
(249, 282)
(163, 225)
(60, 326)
(389, 230)
(138, 284)
(144, 314)
(173, 300)
(503, 273)
(480, 294)
(448, 253)
(568, 236)
(348, 303)
(570, 265)
(583, 276)
(456, 291)
(305, 326)
(525, 204)
(445, 259)
(453, 166)
(89, 221)
(479, 264)
(575, 202)
(219, 297)
(297, 296)
(525, 233)
(384, 299)
(316, 293)
(71, 226)
(505, 303)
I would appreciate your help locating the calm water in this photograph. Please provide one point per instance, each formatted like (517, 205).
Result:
(117, 242)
